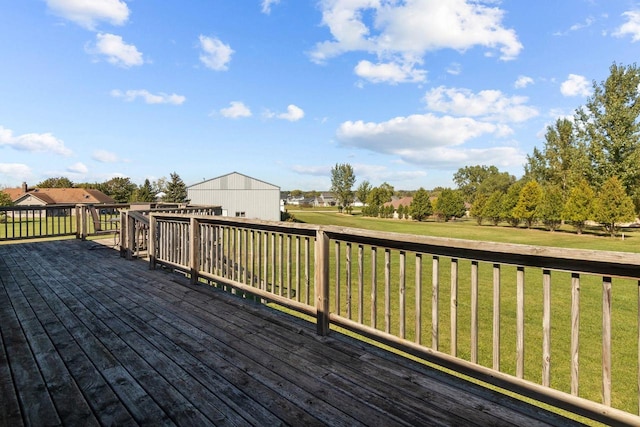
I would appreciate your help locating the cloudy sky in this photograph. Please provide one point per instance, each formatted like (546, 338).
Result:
(407, 92)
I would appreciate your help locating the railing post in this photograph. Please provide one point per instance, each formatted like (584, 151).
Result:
(131, 235)
(194, 249)
(322, 282)
(123, 234)
(153, 232)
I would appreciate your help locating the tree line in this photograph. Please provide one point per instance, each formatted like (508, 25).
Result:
(587, 170)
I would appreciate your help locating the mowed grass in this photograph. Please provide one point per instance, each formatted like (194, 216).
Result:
(625, 301)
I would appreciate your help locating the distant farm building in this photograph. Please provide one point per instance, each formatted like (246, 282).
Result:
(239, 195)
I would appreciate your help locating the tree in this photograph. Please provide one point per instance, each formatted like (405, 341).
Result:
(493, 208)
(562, 162)
(609, 125)
(342, 179)
(400, 212)
(579, 206)
(550, 208)
(420, 208)
(474, 180)
(121, 189)
(509, 202)
(388, 191)
(58, 182)
(477, 208)
(377, 197)
(5, 199)
(176, 191)
(528, 200)
(450, 204)
(363, 190)
(144, 193)
(613, 206)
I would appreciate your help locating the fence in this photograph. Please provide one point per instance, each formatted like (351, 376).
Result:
(487, 310)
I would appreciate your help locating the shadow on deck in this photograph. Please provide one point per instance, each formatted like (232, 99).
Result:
(88, 338)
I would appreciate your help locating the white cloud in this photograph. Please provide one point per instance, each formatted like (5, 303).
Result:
(104, 156)
(389, 72)
(403, 32)
(631, 27)
(490, 105)
(428, 140)
(148, 97)
(15, 171)
(215, 54)
(87, 13)
(522, 82)
(454, 69)
(293, 114)
(266, 5)
(79, 168)
(33, 142)
(116, 51)
(236, 110)
(575, 85)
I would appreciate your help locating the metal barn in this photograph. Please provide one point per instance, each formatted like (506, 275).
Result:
(239, 195)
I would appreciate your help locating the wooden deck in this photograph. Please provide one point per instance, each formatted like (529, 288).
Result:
(88, 338)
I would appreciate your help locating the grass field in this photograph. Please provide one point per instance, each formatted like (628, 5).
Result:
(625, 302)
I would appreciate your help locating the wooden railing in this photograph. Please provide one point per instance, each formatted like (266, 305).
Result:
(487, 310)
(30, 222)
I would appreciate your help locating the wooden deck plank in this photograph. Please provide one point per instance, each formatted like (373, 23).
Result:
(147, 347)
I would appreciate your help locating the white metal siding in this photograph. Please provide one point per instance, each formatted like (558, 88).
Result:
(238, 193)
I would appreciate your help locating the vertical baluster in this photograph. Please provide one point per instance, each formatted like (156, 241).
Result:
(520, 322)
(337, 263)
(606, 341)
(273, 263)
(418, 308)
(307, 264)
(289, 254)
(496, 317)
(546, 328)
(474, 311)
(454, 305)
(360, 284)
(374, 291)
(265, 261)
(387, 291)
(348, 281)
(575, 333)
(402, 296)
(281, 264)
(298, 268)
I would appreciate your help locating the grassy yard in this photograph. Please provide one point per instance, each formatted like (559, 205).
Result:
(625, 301)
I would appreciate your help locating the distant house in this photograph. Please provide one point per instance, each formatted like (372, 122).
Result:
(326, 198)
(239, 196)
(397, 202)
(25, 196)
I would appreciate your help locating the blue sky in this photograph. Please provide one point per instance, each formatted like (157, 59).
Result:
(406, 92)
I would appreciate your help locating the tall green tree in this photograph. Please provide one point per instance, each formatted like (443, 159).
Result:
(5, 199)
(609, 125)
(493, 208)
(477, 208)
(528, 200)
(57, 182)
(144, 193)
(474, 180)
(613, 206)
(562, 162)
(420, 208)
(176, 190)
(363, 190)
(121, 189)
(579, 206)
(549, 211)
(509, 202)
(342, 180)
(450, 204)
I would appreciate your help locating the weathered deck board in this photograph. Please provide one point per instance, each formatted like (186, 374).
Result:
(87, 338)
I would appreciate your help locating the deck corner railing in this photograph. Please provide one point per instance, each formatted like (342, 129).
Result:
(486, 310)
